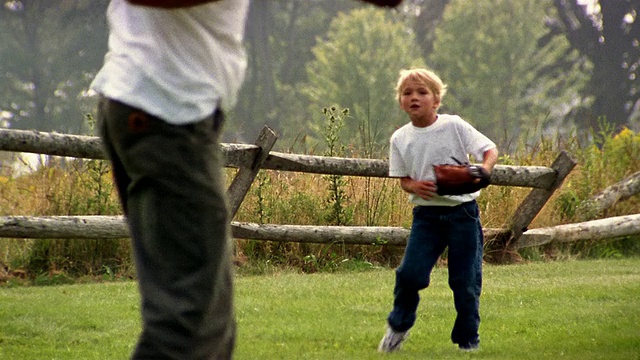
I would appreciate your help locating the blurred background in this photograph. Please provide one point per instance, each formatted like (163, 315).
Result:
(516, 70)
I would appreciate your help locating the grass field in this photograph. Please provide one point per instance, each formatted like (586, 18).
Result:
(556, 310)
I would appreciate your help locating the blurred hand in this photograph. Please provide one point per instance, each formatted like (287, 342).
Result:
(424, 189)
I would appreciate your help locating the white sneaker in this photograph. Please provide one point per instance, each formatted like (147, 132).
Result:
(470, 346)
(392, 340)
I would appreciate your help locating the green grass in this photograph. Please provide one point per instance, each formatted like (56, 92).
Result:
(564, 310)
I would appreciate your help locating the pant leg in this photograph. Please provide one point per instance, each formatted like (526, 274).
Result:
(175, 201)
(120, 176)
(465, 271)
(424, 247)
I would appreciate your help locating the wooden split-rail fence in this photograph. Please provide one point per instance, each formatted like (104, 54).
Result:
(249, 159)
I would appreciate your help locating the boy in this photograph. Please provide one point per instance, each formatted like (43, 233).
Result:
(438, 221)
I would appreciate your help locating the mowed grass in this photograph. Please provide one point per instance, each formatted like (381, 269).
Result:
(556, 310)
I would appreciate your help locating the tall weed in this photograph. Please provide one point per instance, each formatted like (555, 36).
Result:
(67, 187)
(606, 161)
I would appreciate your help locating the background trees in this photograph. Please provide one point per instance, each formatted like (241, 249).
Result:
(516, 69)
(279, 38)
(499, 79)
(607, 35)
(50, 51)
(356, 67)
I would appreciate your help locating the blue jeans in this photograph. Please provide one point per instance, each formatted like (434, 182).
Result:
(172, 190)
(434, 229)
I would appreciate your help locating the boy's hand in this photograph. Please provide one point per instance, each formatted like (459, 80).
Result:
(421, 188)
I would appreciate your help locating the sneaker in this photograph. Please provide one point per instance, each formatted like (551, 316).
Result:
(392, 340)
(470, 346)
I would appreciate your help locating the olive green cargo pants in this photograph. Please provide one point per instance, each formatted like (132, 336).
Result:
(170, 183)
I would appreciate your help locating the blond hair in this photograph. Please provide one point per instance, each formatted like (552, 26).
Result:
(427, 77)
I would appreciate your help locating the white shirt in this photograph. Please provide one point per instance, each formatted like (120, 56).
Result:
(414, 151)
(178, 64)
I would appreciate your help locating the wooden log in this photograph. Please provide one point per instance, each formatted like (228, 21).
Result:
(609, 228)
(247, 173)
(537, 198)
(610, 196)
(362, 235)
(353, 235)
(327, 165)
(238, 154)
(114, 227)
(88, 147)
(63, 227)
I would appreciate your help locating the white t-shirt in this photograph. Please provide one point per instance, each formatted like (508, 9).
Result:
(414, 151)
(177, 64)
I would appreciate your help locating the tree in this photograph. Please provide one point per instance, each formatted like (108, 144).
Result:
(499, 79)
(607, 34)
(356, 66)
(279, 38)
(429, 17)
(50, 50)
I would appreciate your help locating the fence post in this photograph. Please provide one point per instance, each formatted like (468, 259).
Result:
(537, 198)
(248, 172)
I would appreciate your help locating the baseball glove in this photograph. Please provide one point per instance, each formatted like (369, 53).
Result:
(460, 179)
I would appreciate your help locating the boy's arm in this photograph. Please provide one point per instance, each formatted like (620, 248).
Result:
(489, 159)
(424, 189)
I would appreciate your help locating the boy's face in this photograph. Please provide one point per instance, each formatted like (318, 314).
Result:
(419, 101)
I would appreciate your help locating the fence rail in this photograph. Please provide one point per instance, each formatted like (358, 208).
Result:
(544, 181)
(97, 227)
(238, 155)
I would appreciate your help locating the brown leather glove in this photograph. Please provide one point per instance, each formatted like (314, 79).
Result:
(460, 179)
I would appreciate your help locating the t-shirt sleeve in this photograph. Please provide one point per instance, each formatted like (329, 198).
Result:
(477, 143)
(397, 167)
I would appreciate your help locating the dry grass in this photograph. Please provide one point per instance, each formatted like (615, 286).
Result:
(278, 197)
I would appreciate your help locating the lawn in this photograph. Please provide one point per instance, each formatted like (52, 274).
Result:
(565, 309)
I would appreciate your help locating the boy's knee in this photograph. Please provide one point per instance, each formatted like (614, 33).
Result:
(412, 279)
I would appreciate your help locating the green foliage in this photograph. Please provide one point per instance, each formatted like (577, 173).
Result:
(78, 258)
(356, 66)
(263, 211)
(606, 34)
(50, 52)
(84, 188)
(91, 192)
(337, 212)
(499, 80)
(613, 157)
(279, 38)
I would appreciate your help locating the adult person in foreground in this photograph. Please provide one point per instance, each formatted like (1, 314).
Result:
(441, 219)
(167, 80)
(172, 70)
